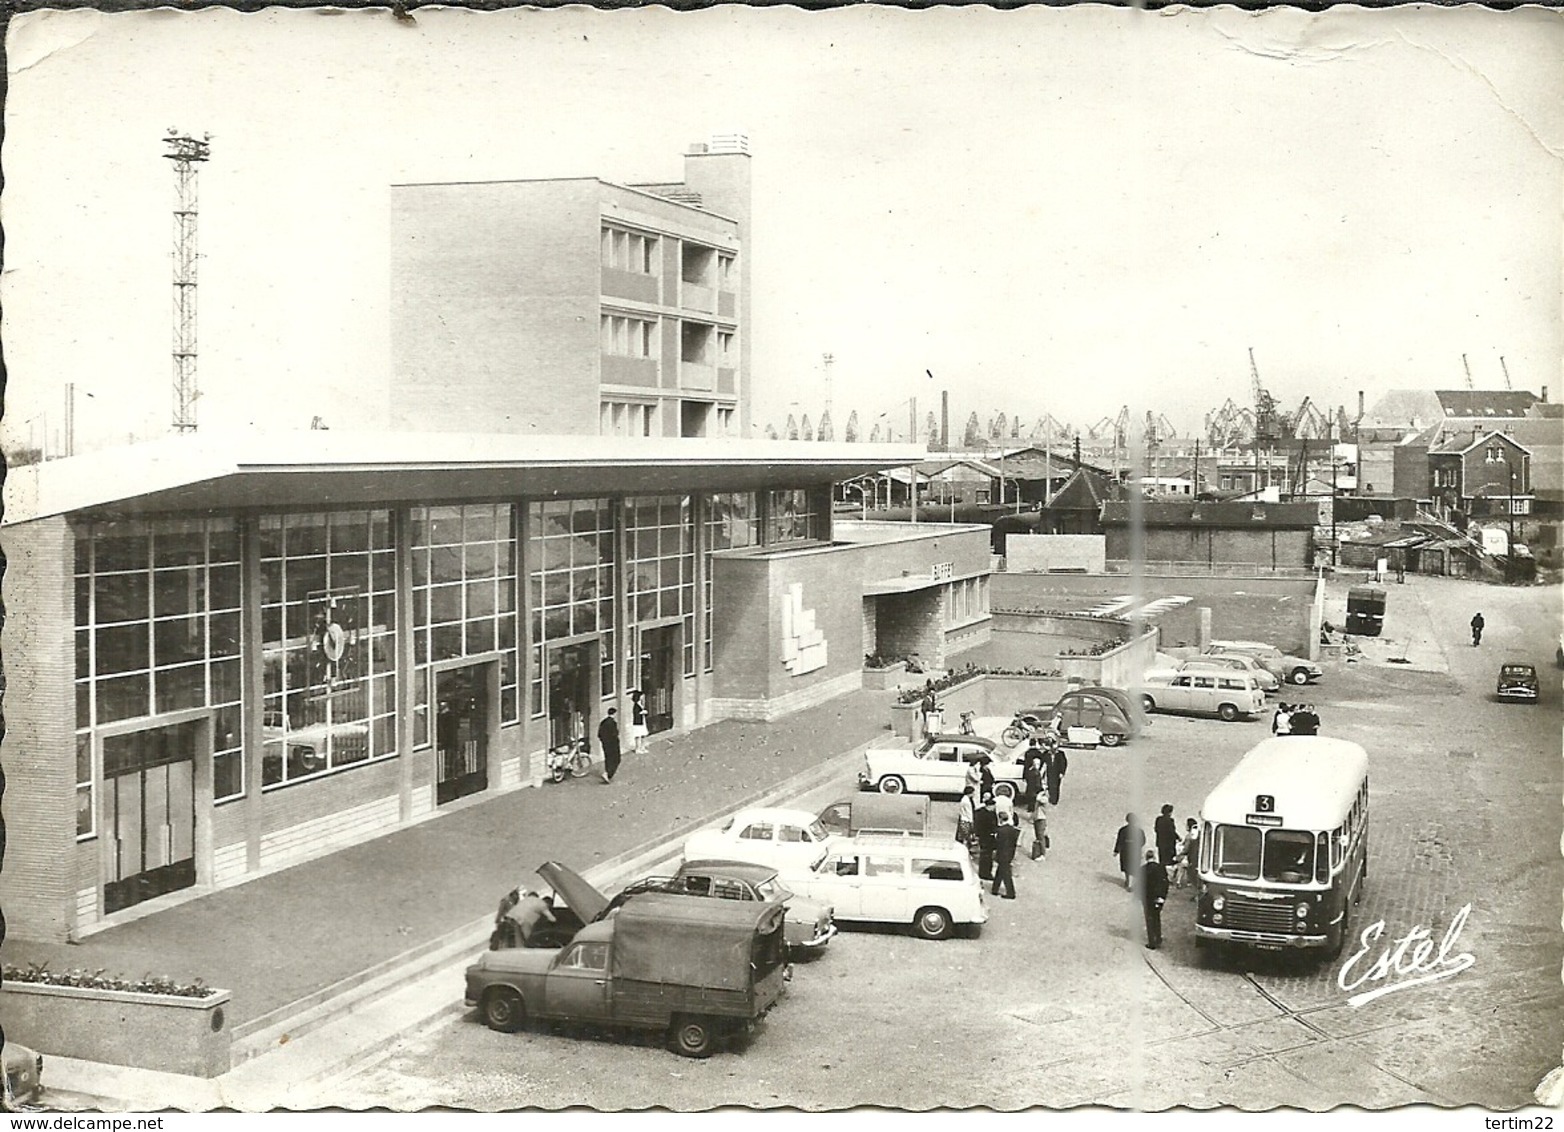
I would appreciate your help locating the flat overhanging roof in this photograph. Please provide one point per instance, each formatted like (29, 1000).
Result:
(325, 469)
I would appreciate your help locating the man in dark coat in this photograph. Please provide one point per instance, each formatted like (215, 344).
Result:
(1055, 763)
(1006, 840)
(1127, 846)
(985, 825)
(1153, 893)
(1166, 832)
(608, 740)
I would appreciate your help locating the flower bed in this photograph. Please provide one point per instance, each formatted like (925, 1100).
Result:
(154, 1022)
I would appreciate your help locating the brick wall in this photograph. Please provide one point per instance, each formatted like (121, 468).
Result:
(1055, 552)
(40, 881)
(1265, 548)
(495, 295)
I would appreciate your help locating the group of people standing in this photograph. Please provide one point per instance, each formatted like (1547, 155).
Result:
(1174, 860)
(992, 823)
(1295, 719)
(608, 734)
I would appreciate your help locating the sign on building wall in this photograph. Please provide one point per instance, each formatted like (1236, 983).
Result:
(803, 645)
(943, 570)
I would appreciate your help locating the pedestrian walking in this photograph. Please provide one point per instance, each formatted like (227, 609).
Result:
(1153, 894)
(964, 815)
(1127, 846)
(1055, 764)
(1039, 827)
(985, 825)
(608, 743)
(1477, 629)
(1004, 807)
(985, 777)
(638, 730)
(1165, 829)
(1188, 870)
(931, 713)
(1036, 798)
(1006, 838)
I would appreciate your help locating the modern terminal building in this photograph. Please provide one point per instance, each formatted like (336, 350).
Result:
(229, 654)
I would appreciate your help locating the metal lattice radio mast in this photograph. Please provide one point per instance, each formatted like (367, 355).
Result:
(185, 151)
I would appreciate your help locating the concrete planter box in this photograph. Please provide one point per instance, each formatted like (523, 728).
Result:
(1117, 668)
(148, 1031)
(879, 679)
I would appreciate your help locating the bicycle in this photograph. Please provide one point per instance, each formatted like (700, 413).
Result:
(569, 760)
(967, 725)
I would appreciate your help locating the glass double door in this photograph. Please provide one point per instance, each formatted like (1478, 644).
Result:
(461, 727)
(659, 672)
(149, 813)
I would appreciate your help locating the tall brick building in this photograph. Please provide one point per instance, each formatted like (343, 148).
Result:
(575, 305)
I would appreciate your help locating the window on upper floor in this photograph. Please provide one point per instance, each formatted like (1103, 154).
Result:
(626, 337)
(630, 251)
(727, 277)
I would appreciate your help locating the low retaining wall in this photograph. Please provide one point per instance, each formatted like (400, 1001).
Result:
(985, 695)
(150, 1031)
(879, 679)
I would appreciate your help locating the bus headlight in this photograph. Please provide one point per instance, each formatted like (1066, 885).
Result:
(1217, 904)
(1302, 909)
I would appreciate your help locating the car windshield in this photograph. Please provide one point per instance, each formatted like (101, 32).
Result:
(1285, 856)
(1516, 670)
(771, 890)
(817, 830)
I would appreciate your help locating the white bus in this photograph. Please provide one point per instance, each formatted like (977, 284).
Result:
(1284, 846)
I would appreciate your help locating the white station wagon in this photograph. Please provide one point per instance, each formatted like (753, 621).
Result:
(790, 841)
(925, 882)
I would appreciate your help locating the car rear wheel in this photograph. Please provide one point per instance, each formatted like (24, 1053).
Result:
(932, 923)
(503, 1010)
(691, 1036)
(1299, 676)
(1148, 704)
(1110, 739)
(1228, 712)
(1011, 735)
(892, 784)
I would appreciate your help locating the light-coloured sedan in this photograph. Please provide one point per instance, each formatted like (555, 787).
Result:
(790, 841)
(1284, 666)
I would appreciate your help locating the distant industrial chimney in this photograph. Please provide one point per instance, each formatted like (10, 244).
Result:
(1360, 404)
(1544, 394)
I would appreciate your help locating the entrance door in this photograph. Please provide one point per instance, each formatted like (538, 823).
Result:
(149, 813)
(461, 733)
(659, 670)
(569, 691)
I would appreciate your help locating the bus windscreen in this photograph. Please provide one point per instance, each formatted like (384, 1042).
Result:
(1243, 852)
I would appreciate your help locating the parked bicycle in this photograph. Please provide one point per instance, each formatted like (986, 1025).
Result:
(569, 760)
(968, 727)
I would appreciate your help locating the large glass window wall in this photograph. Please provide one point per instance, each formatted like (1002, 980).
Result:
(157, 631)
(328, 642)
(793, 515)
(732, 522)
(661, 577)
(464, 597)
(571, 576)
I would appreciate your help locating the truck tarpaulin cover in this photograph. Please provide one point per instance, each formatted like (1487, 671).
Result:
(690, 940)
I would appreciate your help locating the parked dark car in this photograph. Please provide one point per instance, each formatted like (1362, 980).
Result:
(1518, 682)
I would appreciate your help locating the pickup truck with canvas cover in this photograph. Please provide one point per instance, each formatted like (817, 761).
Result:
(694, 968)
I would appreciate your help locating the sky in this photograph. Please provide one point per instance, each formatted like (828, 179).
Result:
(1062, 211)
